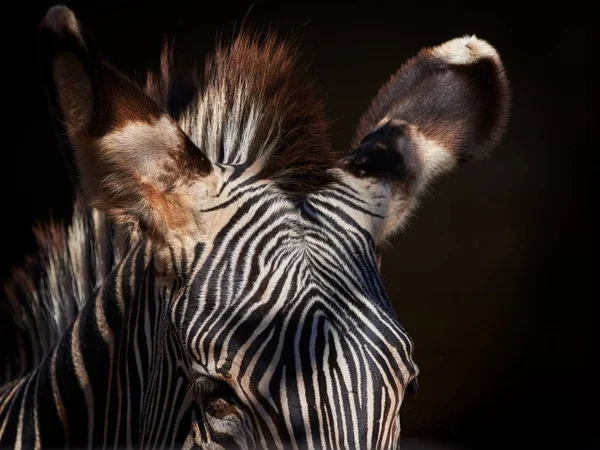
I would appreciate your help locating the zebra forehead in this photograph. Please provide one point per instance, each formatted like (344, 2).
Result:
(346, 339)
(252, 101)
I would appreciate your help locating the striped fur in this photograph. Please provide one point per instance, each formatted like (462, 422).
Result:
(334, 343)
(238, 115)
(250, 313)
(42, 299)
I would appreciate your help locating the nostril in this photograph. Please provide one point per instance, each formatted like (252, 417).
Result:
(413, 387)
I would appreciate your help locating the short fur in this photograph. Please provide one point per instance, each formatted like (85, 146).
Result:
(430, 91)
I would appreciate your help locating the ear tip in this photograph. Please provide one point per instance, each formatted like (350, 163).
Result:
(61, 20)
(468, 49)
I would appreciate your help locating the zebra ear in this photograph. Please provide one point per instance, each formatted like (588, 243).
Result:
(133, 161)
(446, 105)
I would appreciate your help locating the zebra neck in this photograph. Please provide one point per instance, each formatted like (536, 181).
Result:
(115, 376)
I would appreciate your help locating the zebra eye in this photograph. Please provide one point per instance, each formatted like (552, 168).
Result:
(216, 397)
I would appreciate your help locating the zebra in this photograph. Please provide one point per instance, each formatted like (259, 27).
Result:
(245, 308)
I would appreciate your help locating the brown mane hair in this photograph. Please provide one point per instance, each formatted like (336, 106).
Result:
(251, 102)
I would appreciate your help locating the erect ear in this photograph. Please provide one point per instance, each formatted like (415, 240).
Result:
(446, 105)
(134, 162)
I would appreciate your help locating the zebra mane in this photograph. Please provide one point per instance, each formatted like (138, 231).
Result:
(43, 297)
(252, 102)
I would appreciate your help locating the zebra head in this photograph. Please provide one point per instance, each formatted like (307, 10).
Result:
(265, 242)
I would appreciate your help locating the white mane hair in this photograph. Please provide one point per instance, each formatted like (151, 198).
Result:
(42, 298)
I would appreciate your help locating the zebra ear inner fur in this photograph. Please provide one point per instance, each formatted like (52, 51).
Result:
(133, 161)
(447, 105)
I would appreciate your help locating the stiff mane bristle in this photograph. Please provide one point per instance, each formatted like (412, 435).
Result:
(42, 298)
(252, 103)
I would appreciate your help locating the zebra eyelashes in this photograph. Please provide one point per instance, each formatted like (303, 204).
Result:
(217, 397)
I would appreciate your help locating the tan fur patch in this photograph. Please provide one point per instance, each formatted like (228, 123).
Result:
(169, 212)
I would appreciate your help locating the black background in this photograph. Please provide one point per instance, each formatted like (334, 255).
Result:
(494, 276)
